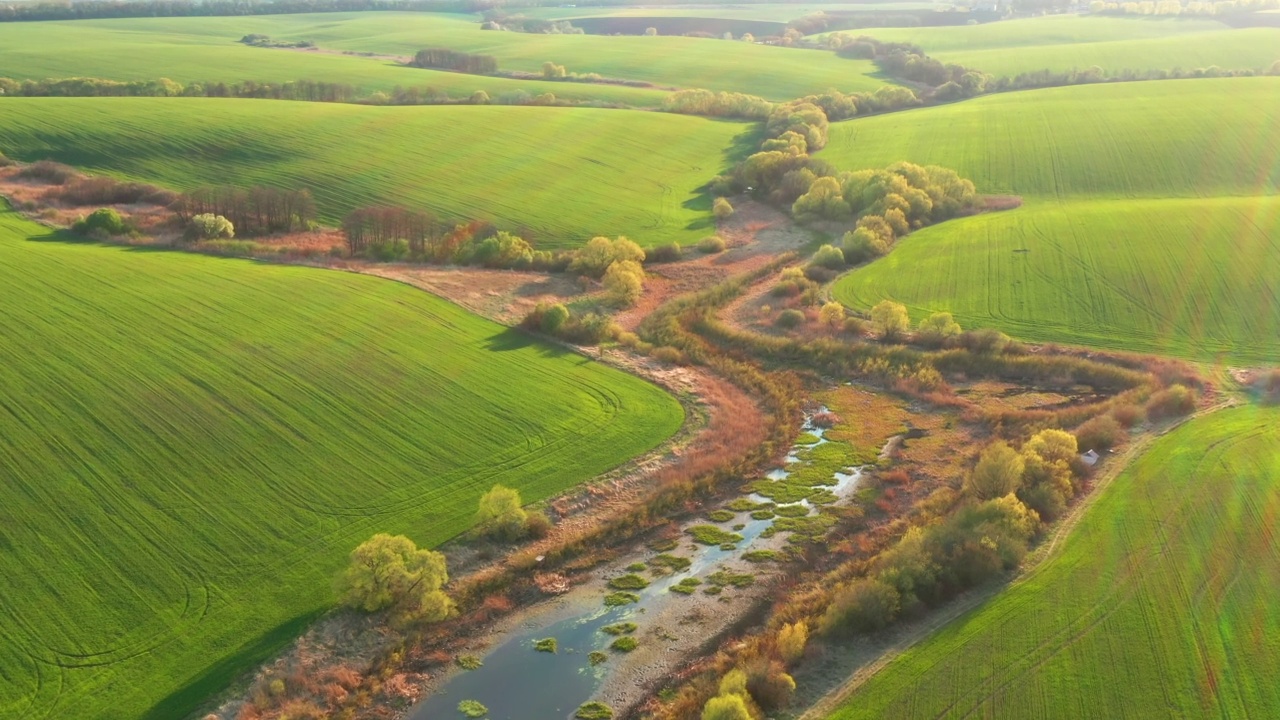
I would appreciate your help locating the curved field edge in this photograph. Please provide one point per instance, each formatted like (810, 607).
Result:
(143, 44)
(192, 445)
(558, 175)
(1214, 137)
(1161, 597)
(1064, 42)
(1192, 278)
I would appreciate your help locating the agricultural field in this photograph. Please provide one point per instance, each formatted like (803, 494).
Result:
(193, 48)
(208, 51)
(191, 446)
(779, 13)
(1162, 599)
(1064, 42)
(566, 174)
(1083, 261)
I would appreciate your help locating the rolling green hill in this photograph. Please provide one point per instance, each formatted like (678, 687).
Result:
(1193, 278)
(191, 446)
(565, 173)
(1175, 138)
(1158, 239)
(1161, 602)
(206, 49)
(1063, 42)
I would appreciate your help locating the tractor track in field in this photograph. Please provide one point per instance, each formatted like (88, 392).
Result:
(903, 640)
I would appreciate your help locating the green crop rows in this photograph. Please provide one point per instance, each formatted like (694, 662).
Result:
(566, 174)
(191, 446)
(1130, 237)
(1160, 603)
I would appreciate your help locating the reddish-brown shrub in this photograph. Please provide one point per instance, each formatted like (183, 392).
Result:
(896, 476)
(769, 683)
(1100, 433)
(1173, 401)
(1128, 415)
(49, 171)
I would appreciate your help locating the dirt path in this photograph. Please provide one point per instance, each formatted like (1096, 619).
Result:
(867, 660)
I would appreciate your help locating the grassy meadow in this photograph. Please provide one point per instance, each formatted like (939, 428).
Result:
(207, 51)
(1063, 42)
(1193, 278)
(1160, 602)
(1212, 137)
(191, 446)
(1130, 237)
(205, 48)
(566, 174)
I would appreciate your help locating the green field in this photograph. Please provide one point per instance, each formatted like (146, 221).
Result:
(1063, 42)
(565, 173)
(1130, 237)
(1193, 278)
(205, 48)
(1160, 604)
(1183, 138)
(769, 12)
(191, 446)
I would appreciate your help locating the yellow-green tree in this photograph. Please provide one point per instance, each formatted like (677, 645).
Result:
(501, 514)
(624, 282)
(891, 319)
(389, 571)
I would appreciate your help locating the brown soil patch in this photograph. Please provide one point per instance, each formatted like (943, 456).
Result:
(505, 296)
(754, 235)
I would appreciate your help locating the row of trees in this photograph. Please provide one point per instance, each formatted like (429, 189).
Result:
(254, 211)
(308, 90)
(303, 90)
(389, 233)
(87, 9)
(383, 225)
(718, 104)
(446, 59)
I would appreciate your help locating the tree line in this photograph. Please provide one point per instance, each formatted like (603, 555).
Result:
(446, 59)
(254, 211)
(300, 90)
(307, 90)
(96, 9)
(950, 82)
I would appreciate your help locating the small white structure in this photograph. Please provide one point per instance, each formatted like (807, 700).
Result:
(1090, 458)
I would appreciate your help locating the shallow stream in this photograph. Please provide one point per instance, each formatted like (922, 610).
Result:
(518, 682)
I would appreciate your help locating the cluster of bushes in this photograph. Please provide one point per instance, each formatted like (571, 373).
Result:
(102, 224)
(257, 40)
(502, 517)
(446, 59)
(498, 19)
(82, 190)
(390, 234)
(718, 104)
(888, 203)
(254, 211)
(909, 62)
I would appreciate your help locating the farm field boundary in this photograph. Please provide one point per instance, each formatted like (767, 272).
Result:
(193, 446)
(1164, 583)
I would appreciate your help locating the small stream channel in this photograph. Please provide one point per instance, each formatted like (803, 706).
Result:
(517, 682)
